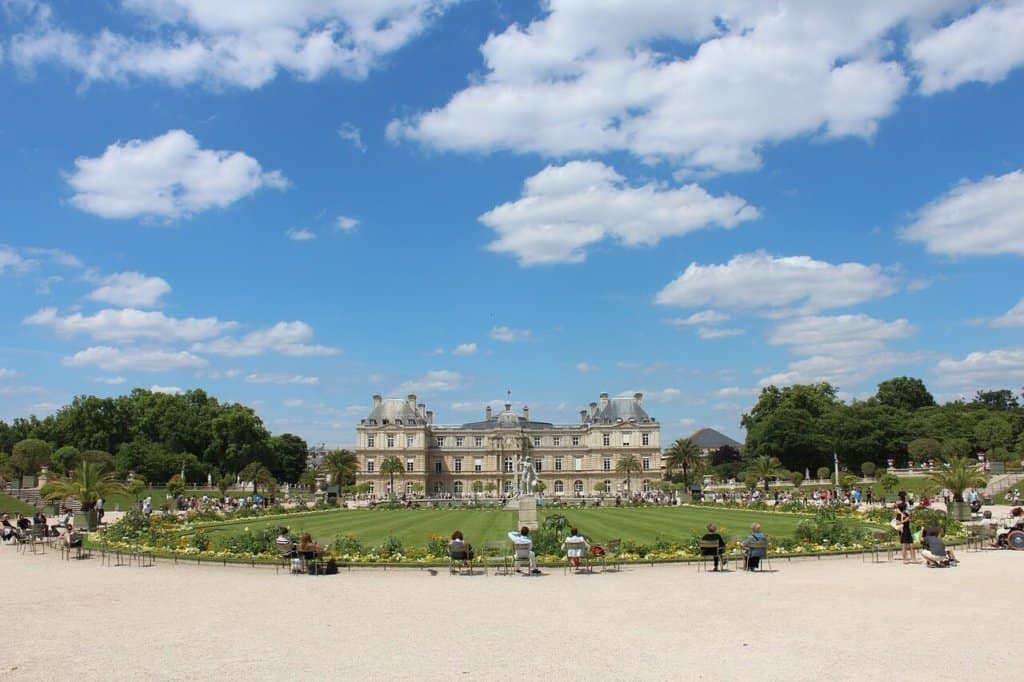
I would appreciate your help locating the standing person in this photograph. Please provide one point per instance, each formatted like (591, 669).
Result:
(713, 536)
(523, 547)
(99, 509)
(906, 534)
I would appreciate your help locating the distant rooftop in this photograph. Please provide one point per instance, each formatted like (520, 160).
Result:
(709, 439)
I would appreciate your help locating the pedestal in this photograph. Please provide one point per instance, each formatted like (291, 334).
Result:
(528, 512)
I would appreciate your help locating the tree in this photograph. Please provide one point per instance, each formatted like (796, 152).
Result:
(340, 466)
(136, 487)
(65, 459)
(391, 466)
(490, 487)
(998, 400)
(904, 393)
(791, 424)
(477, 487)
(796, 478)
(239, 439)
(685, 455)
(824, 473)
(953, 448)
(258, 475)
(868, 469)
(288, 454)
(223, 485)
(28, 457)
(89, 483)
(628, 464)
(766, 468)
(924, 449)
(540, 486)
(888, 482)
(307, 479)
(176, 486)
(994, 432)
(959, 474)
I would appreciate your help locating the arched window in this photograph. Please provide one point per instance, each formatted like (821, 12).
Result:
(577, 487)
(458, 487)
(438, 488)
(559, 487)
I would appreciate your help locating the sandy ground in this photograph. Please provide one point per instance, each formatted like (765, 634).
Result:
(840, 619)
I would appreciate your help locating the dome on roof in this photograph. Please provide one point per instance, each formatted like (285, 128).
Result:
(394, 410)
(507, 419)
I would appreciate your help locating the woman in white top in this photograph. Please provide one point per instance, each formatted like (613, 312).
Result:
(575, 552)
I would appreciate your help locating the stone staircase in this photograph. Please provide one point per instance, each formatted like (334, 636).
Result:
(30, 496)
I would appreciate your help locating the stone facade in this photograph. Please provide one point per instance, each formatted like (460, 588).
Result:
(479, 457)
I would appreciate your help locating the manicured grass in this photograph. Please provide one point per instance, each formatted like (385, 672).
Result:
(414, 527)
(12, 505)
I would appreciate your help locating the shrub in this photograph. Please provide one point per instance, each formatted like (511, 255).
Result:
(391, 546)
(868, 469)
(824, 473)
(828, 527)
(437, 545)
(259, 542)
(347, 544)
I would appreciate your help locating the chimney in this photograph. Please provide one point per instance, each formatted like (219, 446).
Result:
(583, 416)
(430, 416)
(604, 400)
(593, 409)
(526, 412)
(639, 398)
(487, 413)
(421, 411)
(411, 398)
(377, 400)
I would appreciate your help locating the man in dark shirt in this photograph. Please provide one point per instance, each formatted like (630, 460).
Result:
(713, 536)
(935, 552)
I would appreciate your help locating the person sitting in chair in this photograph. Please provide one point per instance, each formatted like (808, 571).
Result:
(72, 538)
(523, 546)
(754, 554)
(285, 546)
(713, 536)
(10, 531)
(308, 549)
(459, 549)
(935, 552)
(1015, 521)
(575, 553)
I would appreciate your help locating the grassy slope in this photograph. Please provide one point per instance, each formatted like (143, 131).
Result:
(12, 505)
(414, 527)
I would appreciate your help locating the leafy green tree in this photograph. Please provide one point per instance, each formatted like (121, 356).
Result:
(998, 400)
(176, 486)
(904, 393)
(89, 483)
(888, 482)
(477, 487)
(341, 466)
(136, 487)
(288, 454)
(258, 475)
(954, 448)
(726, 462)
(223, 485)
(994, 431)
(824, 473)
(239, 439)
(959, 474)
(65, 459)
(792, 424)
(389, 467)
(868, 469)
(104, 459)
(307, 479)
(796, 478)
(766, 468)
(684, 455)
(28, 457)
(924, 449)
(628, 464)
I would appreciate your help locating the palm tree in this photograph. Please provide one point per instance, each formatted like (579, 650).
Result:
(391, 466)
(627, 464)
(259, 475)
(341, 466)
(87, 484)
(766, 468)
(684, 454)
(958, 475)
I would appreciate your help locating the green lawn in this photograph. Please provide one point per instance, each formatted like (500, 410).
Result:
(12, 505)
(414, 527)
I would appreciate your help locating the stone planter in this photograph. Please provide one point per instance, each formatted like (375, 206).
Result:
(961, 511)
(87, 520)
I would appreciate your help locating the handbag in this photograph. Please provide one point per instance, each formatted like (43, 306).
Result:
(896, 525)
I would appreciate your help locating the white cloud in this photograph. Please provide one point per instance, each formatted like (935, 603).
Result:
(565, 209)
(300, 235)
(687, 421)
(128, 359)
(509, 335)
(294, 402)
(983, 46)
(130, 289)
(756, 280)
(14, 263)
(345, 224)
(218, 374)
(665, 395)
(702, 317)
(110, 381)
(8, 373)
(259, 378)
(585, 367)
(431, 382)
(465, 349)
(708, 333)
(974, 218)
(167, 177)
(45, 408)
(241, 43)
(999, 368)
(850, 335)
(9, 389)
(737, 391)
(1014, 317)
(56, 256)
(702, 84)
(287, 338)
(351, 134)
(129, 324)
(170, 390)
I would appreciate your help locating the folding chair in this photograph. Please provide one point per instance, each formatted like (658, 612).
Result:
(577, 550)
(758, 545)
(494, 554)
(709, 549)
(459, 558)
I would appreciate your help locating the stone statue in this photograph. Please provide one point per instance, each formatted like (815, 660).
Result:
(526, 476)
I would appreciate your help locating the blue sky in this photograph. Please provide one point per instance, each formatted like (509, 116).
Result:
(298, 205)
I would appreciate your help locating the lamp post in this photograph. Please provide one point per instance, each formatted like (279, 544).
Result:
(835, 458)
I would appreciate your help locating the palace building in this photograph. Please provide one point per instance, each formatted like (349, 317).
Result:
(478, 458)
